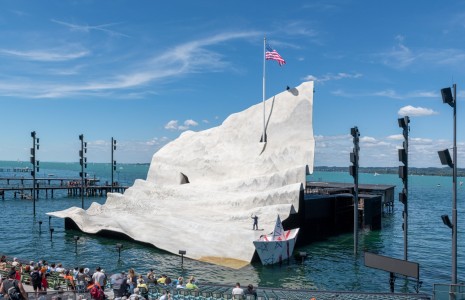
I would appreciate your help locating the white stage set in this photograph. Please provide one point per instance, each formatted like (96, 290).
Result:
(202, 188)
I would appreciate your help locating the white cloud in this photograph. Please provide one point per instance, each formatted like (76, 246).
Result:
(396, 137)
(45, 55)
(415, 111)
(190, 123)
(401, 56)
(388, 93)
(368, 139)
(191, 57)
(331, 77)
(398, 56)
(156, 141)
(88, 28)
(173, 125)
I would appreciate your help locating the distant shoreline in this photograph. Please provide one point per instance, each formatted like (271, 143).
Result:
(446, 171)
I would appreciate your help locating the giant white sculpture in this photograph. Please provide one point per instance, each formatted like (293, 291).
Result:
(203, 187)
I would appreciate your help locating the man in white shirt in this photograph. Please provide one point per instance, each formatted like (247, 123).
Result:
(99, 277)
(238, 290)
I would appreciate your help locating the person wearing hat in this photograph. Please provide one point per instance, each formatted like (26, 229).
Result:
(12, 282)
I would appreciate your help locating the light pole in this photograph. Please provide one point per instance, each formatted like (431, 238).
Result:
(119, 246)
(353, 170)
(76, 239)
(113, 162)
(35, 167)
(83, 163)
(182, 252)
(444, 155)
(403, 174)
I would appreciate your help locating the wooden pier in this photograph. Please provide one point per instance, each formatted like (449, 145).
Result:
(22, 188)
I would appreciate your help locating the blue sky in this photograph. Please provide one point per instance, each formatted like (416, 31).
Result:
(145, 71)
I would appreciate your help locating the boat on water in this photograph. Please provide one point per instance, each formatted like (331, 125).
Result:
(376, 174)
(25, 196)
(277, 246)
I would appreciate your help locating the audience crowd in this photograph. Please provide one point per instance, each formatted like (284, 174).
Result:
(129, 285)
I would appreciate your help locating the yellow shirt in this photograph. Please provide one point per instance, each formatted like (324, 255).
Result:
(161, 280)
(191, 286)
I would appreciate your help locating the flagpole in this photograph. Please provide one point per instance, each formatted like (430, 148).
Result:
(264, 51)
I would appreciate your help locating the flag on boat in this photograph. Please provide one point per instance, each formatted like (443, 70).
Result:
(271, 54)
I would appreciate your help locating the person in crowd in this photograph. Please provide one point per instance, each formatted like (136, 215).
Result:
(162, 279)
(166, 295)
(150, 276)
(142, 286)
(75, 271)
(119, 285)
(18, 271)
(59, 268)
(180, 284)
(12, 282)
(81, 280)
(168, 281)
(15, 262)
(70, 279)
(136, 295)
(98, 277)
(52, 268)
(28, 269)
(238, 290)
(131, 280)
(3, 262)
(45, 274)
(36, 280)
(191, 285)
(251, 291)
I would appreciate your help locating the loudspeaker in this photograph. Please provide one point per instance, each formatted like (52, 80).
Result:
(445, 158)
(447, 96)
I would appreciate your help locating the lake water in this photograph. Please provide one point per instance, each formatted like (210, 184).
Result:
(331, 264)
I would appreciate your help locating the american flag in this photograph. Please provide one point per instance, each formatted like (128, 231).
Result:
(271, 54)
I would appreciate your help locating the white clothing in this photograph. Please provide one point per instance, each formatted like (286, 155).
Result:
(99, 277)
(237, 291)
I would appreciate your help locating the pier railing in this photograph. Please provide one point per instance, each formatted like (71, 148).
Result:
(22, 188)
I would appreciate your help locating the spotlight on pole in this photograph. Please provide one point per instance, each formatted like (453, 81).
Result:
(118, 247)
(446, 94)
(445, 158)
(446, 221)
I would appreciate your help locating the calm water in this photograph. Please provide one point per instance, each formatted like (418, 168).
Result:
(331, 264)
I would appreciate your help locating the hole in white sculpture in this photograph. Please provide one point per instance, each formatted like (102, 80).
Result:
(184, 178)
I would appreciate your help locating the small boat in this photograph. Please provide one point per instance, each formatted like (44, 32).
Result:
(376, 174)
(277, 246)
(25, 196)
